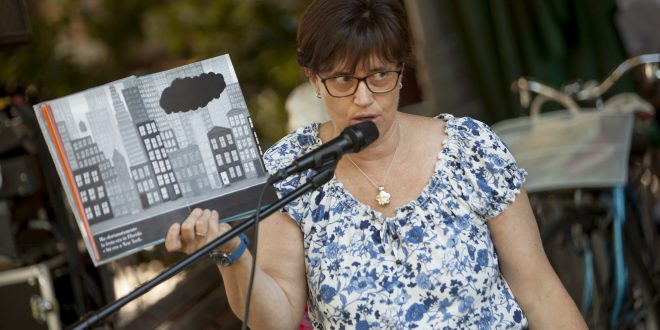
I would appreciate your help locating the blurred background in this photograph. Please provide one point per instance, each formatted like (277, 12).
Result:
(468, 56)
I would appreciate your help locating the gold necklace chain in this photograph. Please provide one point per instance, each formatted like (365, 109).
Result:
(382, 197)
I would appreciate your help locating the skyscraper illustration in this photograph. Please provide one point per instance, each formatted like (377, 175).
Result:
(66, 141)
(225, 154)
(128, 133)
(190, 171)
(62, 113)
(101, 123)
(235, 94)
(241, 127)
(168, 187)
(135, 104)
(90, 177)
(125, 200)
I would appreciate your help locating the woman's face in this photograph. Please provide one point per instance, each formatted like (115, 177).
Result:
(364, 105)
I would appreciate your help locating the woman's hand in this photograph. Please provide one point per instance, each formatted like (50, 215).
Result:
(199, 228)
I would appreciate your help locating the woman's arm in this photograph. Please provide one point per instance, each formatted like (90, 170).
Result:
(528, 272)
(279, 293)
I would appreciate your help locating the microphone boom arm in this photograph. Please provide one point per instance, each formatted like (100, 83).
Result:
(321, 161)
(322, 176)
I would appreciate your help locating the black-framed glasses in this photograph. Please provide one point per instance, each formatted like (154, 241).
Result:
(347, 85)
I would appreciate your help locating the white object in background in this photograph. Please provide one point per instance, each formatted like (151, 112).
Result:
(303, 107)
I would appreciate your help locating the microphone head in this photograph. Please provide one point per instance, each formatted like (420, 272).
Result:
(361, 134)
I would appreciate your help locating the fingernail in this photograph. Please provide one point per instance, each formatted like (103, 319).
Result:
(196, 212)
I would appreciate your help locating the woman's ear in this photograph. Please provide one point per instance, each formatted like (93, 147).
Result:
(313, 79)
(309, 74)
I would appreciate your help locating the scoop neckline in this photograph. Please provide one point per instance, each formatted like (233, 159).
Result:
(425, 192)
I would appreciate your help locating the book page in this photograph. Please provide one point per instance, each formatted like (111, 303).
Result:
(138, 154)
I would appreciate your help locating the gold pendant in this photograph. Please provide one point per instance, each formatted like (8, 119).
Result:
(383, 197)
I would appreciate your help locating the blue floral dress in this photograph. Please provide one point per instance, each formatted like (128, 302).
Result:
(433, 264)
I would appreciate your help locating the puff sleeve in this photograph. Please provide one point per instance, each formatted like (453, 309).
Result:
(489, 167)
(280, 155)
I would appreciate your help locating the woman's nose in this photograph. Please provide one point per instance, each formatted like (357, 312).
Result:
(363, 96)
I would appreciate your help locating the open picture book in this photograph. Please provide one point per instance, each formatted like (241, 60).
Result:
(138, 154)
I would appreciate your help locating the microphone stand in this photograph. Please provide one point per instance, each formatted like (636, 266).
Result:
(323, 175)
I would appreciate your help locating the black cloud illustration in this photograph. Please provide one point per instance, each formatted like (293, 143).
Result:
(192, 93)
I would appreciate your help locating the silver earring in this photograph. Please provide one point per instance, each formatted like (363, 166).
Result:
(400, 84)
(318, 96)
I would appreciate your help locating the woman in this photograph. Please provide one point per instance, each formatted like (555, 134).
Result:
(427, 227)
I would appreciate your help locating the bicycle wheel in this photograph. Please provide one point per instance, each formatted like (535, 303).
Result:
(579, 256)
(580, 251)
(642, 305)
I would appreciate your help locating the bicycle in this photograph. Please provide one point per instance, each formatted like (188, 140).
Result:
(594, 220)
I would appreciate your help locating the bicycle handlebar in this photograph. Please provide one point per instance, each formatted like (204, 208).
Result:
(589, 91)
(524, 86)
(597, 91)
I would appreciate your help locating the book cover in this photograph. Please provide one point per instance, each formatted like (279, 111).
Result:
(138, 154)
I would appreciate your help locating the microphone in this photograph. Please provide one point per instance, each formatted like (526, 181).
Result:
(352, 139)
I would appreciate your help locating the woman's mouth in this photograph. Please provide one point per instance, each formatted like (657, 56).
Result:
(360, 119)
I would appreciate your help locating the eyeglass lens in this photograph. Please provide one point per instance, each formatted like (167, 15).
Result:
(379, 82)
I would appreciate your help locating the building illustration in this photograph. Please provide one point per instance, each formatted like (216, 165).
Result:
(89, 179)
(241, 127)
(225, 153)
(169, 140)
(127, 132)
(125, 200)
(145, 180)
(159, 162)
(190, 171)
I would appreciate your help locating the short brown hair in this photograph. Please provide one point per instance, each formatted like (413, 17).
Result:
(347, 32)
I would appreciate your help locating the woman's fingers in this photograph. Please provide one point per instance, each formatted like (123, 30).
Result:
(217, 229)
(199, 228)
(187, 235)
(233, 243)
(202, 228)
(172, 240)
(214, 226)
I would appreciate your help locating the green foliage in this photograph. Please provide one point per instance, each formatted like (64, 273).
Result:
(86, 43)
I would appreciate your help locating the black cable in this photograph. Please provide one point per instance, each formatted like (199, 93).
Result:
(248, 298)
(322, 176)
